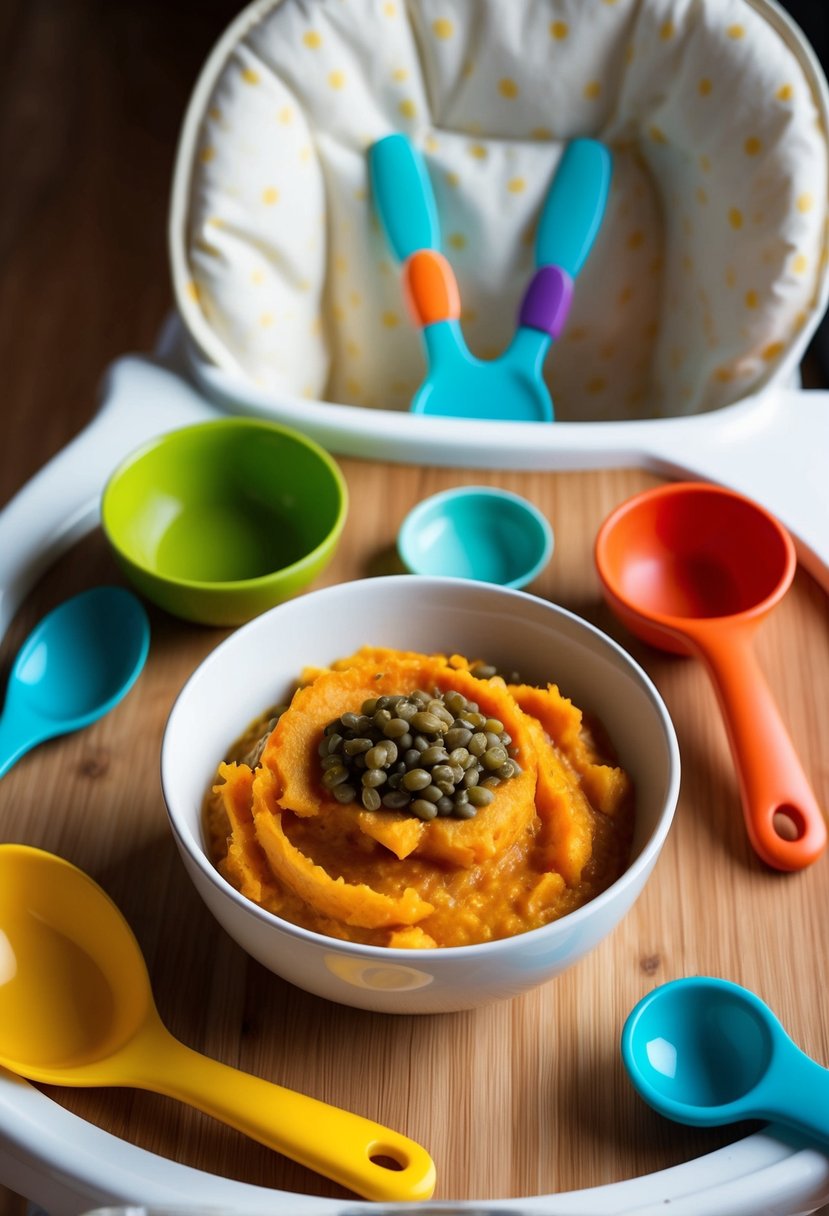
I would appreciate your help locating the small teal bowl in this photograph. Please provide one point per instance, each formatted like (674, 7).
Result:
(476, 532)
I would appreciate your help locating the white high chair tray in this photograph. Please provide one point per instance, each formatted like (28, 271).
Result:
(771, 446)
(68, 1165)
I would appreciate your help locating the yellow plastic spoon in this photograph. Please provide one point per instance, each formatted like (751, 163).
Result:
(76, 1008)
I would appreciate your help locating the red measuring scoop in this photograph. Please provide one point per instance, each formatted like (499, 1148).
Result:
(694, 569)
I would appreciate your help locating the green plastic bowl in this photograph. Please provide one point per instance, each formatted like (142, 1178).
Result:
(220, 521)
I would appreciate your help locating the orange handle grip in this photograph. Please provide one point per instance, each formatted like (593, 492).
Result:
(431, 288)
(784, 822)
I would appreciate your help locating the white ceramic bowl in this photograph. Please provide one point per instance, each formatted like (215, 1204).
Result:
(256, 667)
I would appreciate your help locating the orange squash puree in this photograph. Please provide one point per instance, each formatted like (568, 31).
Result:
(555, 835)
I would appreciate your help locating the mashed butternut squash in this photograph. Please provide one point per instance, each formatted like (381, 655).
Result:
(554, 835)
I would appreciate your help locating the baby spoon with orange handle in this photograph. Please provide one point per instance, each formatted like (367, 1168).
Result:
(76, 1008)
(458, 384)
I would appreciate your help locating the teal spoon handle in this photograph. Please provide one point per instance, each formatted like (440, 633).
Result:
(403, 196)
(448, 358)
(18, 735)
(795, 1092)
(575, 205)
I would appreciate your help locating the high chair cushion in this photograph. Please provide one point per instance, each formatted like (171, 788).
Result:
(709, 262)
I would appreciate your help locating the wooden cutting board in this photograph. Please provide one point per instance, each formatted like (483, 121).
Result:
(524, 1097)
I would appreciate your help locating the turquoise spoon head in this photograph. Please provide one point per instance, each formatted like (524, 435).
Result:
(459, 385)
(707, 1052)
(74, 667)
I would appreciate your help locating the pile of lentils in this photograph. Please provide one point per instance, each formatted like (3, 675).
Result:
(426, 754)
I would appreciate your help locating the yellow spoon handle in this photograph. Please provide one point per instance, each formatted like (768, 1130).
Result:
(362, 1155)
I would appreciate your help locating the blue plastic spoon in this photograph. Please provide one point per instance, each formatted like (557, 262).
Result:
(75, 666)
(707, 1052)
(458, 384)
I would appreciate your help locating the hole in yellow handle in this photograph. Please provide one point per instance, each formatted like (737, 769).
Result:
(385, 1157)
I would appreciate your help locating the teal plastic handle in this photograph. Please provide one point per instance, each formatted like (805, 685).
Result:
(575, 205)
(403, 196)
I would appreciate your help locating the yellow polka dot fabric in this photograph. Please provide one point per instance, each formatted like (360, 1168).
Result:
(709, 263)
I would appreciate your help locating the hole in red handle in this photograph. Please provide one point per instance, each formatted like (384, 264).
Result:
(788, 823)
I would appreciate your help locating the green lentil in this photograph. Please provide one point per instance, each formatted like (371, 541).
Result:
(426, 723)
(442, 772)
(333, 776)
(396, 800)
(417, 778)
(371, 800)
(376, 756)
(457, 737)
(353, 747)
(465, 811)
(494, 757)
(395, 728)
(434, 755)
(479, 795)
(424, 809)
(478, 744)
(344, 792)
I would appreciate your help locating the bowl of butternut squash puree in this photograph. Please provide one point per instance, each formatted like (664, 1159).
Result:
(419, 795)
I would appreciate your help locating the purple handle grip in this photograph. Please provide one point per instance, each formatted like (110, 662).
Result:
(547, 301)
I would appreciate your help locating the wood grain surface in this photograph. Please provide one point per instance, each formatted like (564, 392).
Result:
(521, 1098)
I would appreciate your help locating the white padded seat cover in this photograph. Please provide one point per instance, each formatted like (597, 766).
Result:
(709, 262)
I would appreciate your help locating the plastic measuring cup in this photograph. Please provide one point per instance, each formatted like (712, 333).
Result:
(76, 1009)
(476, 532)
(694, 568)
(707, 1052)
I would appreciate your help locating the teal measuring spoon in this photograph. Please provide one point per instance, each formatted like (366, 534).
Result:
(458, 384)
(707, 1052)
(75, 666)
